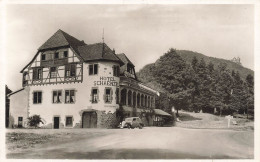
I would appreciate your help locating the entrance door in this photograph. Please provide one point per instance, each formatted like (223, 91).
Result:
(56, 122)
(89, 120)
(20, 122)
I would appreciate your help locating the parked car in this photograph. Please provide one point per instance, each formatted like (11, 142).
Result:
(132, 122)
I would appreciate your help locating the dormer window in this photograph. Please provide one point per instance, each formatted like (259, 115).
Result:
(56, 55)
(65, 54)
(43, 57)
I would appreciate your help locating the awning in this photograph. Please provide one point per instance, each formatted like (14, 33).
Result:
(161, 112)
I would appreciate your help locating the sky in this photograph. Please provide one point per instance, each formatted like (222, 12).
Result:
(142, 32)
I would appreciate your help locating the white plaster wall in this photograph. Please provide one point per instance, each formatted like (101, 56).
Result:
(47, 110)
(18, 107)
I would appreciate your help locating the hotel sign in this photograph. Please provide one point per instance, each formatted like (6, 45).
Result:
(108, 81)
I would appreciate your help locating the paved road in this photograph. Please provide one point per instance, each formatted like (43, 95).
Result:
(148, 143)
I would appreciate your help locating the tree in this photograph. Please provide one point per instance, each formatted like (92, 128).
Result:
(34, 121)
(194, 63)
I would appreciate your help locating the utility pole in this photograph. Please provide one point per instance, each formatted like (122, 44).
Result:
(103, 48)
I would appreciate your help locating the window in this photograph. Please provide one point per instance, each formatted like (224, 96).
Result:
(69, 121)
(108, 95)
(70, 96)
(37, 73)
(56, 55)
(94, 95)
(49, 56)
(116, 71)
(37, 97)
(70, 70)
(56, 96)
(43, 57)
(53, 72)
(20, 118)
(25, 78)
(65, 54)
(93, 69)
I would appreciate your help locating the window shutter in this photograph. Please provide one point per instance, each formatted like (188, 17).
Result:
(73, 70)
(104, 96)
(90, 68)
(111, 95)
(98, 95)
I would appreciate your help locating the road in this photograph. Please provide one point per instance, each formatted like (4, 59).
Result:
(147, 143)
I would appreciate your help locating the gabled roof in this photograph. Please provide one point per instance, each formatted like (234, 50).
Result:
(60, 39)
(124, 58)
(85, 52)
(98, 51)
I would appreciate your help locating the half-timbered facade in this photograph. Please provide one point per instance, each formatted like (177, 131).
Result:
(71, 84)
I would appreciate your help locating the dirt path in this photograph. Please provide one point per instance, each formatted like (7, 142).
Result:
(147, 143)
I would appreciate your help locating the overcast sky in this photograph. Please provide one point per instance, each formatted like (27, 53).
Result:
(142, 32)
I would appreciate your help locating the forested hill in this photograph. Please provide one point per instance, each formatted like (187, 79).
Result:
(189, 55)
(192, 81)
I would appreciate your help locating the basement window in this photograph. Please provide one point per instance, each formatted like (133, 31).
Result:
(69, 121)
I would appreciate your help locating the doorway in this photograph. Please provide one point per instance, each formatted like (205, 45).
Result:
(56, 122)
(89, 120)
(20, 122)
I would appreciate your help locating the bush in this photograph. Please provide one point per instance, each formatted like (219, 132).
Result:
(34, 121)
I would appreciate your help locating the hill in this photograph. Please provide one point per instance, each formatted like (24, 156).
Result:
(193, 81)
(188, 56)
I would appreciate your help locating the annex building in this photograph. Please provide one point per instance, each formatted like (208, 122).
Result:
(71, 84)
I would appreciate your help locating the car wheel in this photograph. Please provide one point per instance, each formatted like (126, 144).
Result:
(140, 126)
(128, 126)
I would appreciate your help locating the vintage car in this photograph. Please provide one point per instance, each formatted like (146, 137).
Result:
(132, 122)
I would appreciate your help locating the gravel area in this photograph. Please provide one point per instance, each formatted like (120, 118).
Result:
(209, 121)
